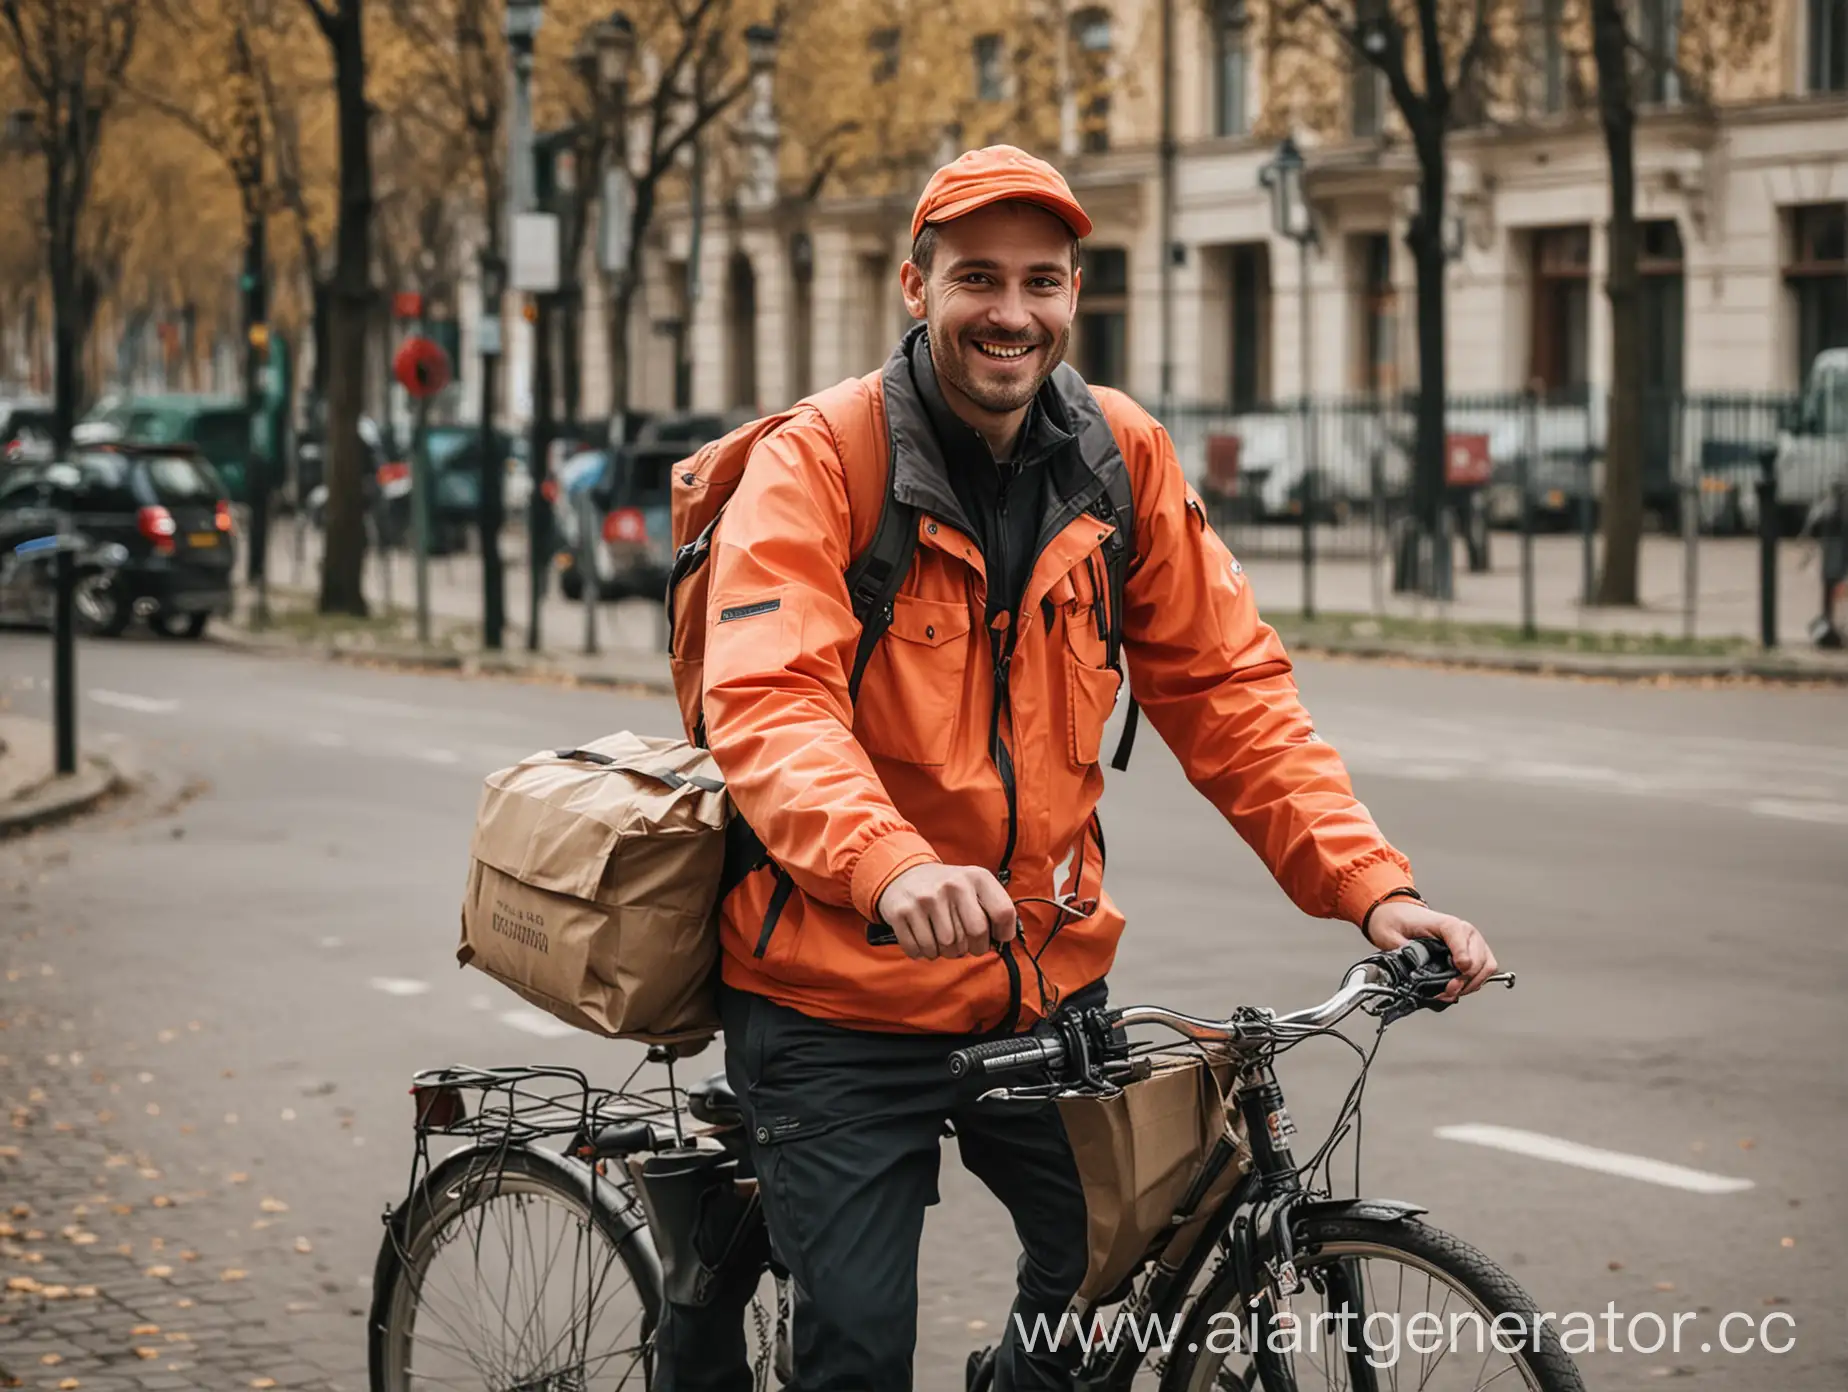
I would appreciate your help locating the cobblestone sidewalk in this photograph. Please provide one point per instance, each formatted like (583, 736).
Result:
(122, 1266)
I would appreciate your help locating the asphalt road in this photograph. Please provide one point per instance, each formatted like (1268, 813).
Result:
(250, 957)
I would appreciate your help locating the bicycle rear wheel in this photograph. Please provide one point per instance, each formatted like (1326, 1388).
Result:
(509, 1279)
(1388, 1307)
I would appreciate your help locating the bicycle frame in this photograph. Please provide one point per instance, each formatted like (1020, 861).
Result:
(1254, 1226)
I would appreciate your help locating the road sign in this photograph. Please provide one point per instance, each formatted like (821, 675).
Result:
(535, 267)
(407, 304)
(1466, 461)
(421, 366)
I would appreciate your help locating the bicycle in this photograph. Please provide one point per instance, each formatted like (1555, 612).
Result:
(1277, 1241)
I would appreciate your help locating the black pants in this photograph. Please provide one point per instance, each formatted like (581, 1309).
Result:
(846, 1126)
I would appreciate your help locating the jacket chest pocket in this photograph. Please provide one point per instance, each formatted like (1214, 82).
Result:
(913, 690)
(1091, 682)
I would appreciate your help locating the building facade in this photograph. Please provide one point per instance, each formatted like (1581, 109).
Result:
(1744, 201)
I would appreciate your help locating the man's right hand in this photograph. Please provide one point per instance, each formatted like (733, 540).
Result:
(947, 910)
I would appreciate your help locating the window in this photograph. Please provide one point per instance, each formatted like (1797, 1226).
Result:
(177, 479)
(1817, 277)
(1552, 62)
(1367, 93)
(1659, 38)
(1562, 309)
(1103, 317)
(1828, 45)
(1091, 46)
(884, 44)
(990, 69)
(1231, 98)
(1250, 325)
(1377, 371)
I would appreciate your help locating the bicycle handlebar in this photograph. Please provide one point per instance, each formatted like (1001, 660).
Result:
(1418, 970)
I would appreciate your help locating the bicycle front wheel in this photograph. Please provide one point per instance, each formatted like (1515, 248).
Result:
(1396, 1306)
(506, 1279)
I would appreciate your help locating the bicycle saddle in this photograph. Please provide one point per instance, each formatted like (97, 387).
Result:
(712, 1101)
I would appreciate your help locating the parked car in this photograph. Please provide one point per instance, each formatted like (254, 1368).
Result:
(217, 427)
(629, 492)
(167, 511)
(25, 433)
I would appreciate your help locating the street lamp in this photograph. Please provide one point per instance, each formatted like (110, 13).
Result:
(1292, 220)
(760, 47)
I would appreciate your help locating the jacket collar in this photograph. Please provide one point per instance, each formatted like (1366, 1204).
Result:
(1065, 424)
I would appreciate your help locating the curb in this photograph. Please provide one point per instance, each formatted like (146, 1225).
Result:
(1604, 666)
(1538, 663)
(454, 663)
(60, 799)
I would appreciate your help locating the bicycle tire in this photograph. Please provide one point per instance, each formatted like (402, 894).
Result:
(1325, 1244)
(454, 1202)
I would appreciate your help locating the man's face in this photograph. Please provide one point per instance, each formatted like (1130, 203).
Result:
(999, 299)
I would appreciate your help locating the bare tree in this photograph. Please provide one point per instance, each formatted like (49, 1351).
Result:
(1432, 55)
(72, 55)
(1724, 31)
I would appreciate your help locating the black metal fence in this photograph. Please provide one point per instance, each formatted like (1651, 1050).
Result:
(1348, 462)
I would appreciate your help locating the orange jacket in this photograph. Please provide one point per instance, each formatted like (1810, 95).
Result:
(846, 798)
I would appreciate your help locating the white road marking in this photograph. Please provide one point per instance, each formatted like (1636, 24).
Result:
(127, 700)
(1612, 1162)
(1830, 813)
(398, 986)
(537, 1022)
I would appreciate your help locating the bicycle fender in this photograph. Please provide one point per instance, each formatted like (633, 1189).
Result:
(1377, 1210)
(471, 1161)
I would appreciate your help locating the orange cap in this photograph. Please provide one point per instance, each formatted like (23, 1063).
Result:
(993, 175)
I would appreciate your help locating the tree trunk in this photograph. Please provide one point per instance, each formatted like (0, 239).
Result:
(67, 344)
(342, 564)
(1426, 239)
(1622, 508)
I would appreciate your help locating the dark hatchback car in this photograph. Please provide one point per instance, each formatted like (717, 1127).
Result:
(157, 526)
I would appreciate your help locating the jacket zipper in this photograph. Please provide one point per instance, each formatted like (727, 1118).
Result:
(1001, 649)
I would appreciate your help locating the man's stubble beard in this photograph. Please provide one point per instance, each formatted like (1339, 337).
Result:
(946, 356)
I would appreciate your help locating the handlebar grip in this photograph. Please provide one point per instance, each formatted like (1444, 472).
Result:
(1004, 1055)
(1426, 954)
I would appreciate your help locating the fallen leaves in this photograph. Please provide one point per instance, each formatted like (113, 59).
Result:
(141, 1331)
(273, 1206)
(232, 1273)
(304, 1246)
(160, 1271)
(144, 1352)
(22, 1285)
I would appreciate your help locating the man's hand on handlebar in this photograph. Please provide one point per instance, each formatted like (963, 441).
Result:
(947, 910)
(1396, 922)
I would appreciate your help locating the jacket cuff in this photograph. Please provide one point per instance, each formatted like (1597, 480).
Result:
(1369, 884)
(884, 861)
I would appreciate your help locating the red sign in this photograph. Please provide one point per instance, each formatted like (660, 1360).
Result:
(421, 366)
(1222, 463)
(407, 304)
(1466, 461)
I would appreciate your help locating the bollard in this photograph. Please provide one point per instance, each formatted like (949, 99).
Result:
(1767, 548)
(1588, 557)
(1309, 500)
(64, 661)
(1376, 532)
(587, 565)
(1523, 472)
(420, 514)
(62, 546)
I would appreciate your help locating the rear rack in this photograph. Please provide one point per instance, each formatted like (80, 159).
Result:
(515, 1106)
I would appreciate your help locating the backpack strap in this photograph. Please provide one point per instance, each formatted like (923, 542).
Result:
(884, 528)
(1119, 553)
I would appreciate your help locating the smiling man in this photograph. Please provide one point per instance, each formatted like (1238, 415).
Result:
(950, 795)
